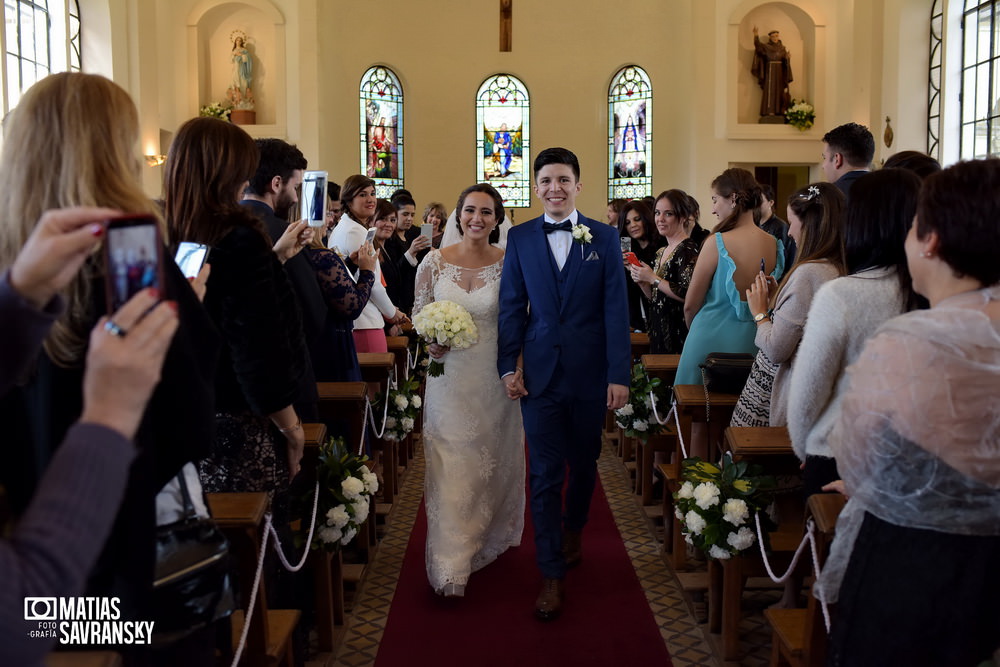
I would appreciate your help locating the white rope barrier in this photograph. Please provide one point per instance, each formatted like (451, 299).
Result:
(253, 592)
(305, 553)
(663, 421)
(809, 537)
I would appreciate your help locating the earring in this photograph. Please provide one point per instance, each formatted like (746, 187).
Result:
(926, 254)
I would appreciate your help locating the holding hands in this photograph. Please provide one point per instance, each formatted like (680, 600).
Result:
(514, 385)
(759, 293)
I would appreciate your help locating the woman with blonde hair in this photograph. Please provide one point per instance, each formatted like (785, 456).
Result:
(435, 214)
(57, 155)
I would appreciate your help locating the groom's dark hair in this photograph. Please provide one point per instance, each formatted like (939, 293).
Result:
(557, 156)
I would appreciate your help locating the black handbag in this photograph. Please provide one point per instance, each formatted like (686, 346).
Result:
(725, 373)
(191, 584)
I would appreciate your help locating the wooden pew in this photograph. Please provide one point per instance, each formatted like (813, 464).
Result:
(344, 402)
(269, 641)
(799, 635)
(375, 368)
(664, 368)
(772, 448)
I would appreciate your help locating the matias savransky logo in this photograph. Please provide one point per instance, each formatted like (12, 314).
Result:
(84, 621)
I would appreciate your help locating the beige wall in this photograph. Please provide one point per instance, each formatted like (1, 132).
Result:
(855, 60)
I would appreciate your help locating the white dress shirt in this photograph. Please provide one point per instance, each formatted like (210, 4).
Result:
(561, 242)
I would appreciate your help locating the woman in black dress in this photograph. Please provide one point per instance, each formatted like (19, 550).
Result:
(638, 234)
(665, 283)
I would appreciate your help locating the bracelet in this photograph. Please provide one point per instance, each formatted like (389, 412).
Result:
(294, 427)
(518, 369)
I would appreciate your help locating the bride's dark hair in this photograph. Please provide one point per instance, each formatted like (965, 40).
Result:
(498, 211)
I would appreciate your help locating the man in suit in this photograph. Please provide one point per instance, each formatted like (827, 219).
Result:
(272, 192)
(848, 151)
(563, 309)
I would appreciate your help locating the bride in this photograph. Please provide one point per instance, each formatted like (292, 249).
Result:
(473, 439)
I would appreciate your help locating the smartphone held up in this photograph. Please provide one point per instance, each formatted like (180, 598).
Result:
(133, 255)
(314, 198)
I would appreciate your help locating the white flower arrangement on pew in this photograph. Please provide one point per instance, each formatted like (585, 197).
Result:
(404, 408)
(346, 491)
(636, 417)
(716, 504)
(445, 323)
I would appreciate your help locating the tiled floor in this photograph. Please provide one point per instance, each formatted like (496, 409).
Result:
(688, 642)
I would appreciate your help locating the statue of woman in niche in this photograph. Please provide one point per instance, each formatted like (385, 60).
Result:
(240, 93)
(773, 69)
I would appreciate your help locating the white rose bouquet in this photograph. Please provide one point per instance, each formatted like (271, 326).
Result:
(346, 491)
(404, 408)
(716, 504)
(445, 323)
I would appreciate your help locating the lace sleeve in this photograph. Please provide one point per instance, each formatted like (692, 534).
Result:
(340, 292)
(427, 277)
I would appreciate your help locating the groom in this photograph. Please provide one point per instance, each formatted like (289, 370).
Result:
(563, 309)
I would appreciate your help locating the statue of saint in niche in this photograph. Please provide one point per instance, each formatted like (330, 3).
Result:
(240, 93)
(773, 69)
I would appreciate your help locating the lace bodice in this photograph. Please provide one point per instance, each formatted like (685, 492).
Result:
(477, 290)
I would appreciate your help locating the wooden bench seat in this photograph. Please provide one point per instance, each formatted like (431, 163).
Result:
(241, 517)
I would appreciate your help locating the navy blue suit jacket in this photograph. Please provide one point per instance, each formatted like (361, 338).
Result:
(586, 332)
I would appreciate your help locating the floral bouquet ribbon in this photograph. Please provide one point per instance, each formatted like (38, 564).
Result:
(445, 323)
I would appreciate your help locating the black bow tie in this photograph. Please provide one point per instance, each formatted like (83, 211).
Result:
(564, 226)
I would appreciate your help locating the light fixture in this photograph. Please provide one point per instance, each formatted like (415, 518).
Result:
(155, 160)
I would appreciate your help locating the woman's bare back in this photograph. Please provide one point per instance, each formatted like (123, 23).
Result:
(747, 245)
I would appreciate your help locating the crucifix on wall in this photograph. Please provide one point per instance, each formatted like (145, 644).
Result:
(506, 9)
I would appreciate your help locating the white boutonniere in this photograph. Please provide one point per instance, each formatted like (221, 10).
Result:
(581, 234)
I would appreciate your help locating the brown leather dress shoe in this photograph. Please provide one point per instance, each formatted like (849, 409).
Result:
(550, 599)
(572, 548)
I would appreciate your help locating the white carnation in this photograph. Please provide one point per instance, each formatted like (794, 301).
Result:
(695, 522)
(678, 513)
(741, 539)
(407, 424)
(349, 535)
(370, 480)
(706, 495)
(352, 487)
(329, 535)
(390, 422)
(686, 490)
(718, 554)
(735, 511)
(401, 401)
(640, 425)
(361, 510)
(337, 517)
(416, 402)
(625, 410)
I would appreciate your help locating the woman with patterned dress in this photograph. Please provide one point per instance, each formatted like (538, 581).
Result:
(816, 222)
(474, 488)
(665, 284)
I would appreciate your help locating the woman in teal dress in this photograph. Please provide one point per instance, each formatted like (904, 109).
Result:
(718, 318)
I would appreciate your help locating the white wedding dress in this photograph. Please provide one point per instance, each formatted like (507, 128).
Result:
(474, 488)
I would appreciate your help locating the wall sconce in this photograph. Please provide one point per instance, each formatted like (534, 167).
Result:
(155, 160)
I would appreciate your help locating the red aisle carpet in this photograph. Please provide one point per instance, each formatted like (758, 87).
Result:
(605, 621)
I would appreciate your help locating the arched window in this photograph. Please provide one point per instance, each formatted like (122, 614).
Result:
(502, 142)
(382, 129)
(36, 42)
(630, 134)
(980, 101)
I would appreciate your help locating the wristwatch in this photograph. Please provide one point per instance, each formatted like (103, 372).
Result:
(656, 284)
(759, 316)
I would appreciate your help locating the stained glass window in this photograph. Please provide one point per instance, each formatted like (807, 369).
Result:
(502, 144)
(37, 41)
(630, 134)
(980, 101)
(382, 129)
